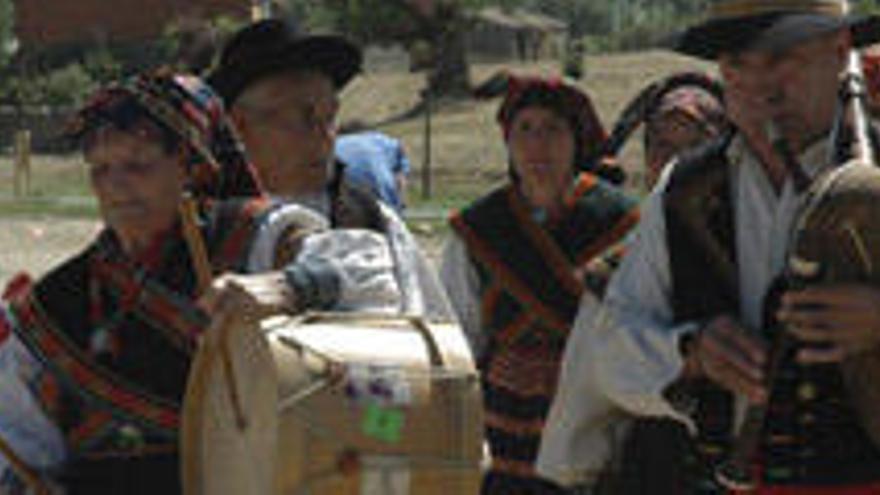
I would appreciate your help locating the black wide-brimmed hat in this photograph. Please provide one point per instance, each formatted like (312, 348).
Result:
(738, 25)
(273, 46)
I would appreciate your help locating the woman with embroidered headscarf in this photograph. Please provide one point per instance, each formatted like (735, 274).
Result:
(517, 265)
(94, 356)
(677, 112)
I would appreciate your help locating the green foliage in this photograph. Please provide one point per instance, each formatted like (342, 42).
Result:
(100, 65)
(68, 86)
(383, 21)
(8, 43)
(602, 24)
(620, 24)
(866, 6)
(191, 45)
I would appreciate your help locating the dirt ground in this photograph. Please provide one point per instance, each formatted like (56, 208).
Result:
(35, 245)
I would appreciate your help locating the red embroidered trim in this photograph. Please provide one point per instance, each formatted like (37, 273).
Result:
(62, 353)
(235, 243)
(506, 280)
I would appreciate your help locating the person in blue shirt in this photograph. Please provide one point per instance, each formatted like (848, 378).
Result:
(376, 162)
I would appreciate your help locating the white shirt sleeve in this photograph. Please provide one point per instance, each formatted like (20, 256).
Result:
(262, 255)
(460, 279)
(359, 260)
(619, 359)
(635, 344)
(583, 427)
(23, 425)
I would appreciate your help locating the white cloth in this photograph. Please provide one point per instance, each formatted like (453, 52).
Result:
(421, 288)
(363, 260)
(462, 284)
(627, 356)
(421, 291)
(281, 218)
(364, 265)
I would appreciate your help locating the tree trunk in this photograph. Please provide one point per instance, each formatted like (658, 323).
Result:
(449, 75)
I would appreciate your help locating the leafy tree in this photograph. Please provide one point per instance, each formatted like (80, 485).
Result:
(438, 25)
(8, 42)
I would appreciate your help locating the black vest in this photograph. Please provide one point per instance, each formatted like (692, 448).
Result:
(658, 456)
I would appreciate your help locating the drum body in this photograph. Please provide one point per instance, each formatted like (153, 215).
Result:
(229, 425)
(367, 405)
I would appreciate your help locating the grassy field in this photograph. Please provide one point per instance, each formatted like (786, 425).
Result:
(468, 155)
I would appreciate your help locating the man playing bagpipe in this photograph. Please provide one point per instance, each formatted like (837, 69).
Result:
(689, 319)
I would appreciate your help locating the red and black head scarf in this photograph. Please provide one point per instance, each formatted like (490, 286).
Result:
(184, 110)
(566, 100)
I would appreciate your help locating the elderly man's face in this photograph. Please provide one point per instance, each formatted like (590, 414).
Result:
(795, 88)
(288, 124)
(138, 184)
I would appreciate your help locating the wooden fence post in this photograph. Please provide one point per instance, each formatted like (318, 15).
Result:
(22, 171)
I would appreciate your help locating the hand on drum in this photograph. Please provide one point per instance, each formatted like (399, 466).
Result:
(839, 320)
(247, 297)
(725, 353)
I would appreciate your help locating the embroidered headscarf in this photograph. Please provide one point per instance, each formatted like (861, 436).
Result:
(571, 103)
(186, 110)
(697, 96)
(696, 104)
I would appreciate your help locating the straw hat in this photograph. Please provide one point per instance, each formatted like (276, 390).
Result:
(737, 25)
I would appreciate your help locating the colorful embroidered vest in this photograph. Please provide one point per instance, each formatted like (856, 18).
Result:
(530, 294)
(115, 342)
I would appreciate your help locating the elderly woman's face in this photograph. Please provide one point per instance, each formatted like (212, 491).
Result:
(137, 182)
(541, 145)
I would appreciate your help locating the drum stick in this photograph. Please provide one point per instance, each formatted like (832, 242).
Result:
(197, 252)
(202, 265)
(30, 477)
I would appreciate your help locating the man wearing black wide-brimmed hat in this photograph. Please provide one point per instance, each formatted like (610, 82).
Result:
(686, 322)
(282, 86)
